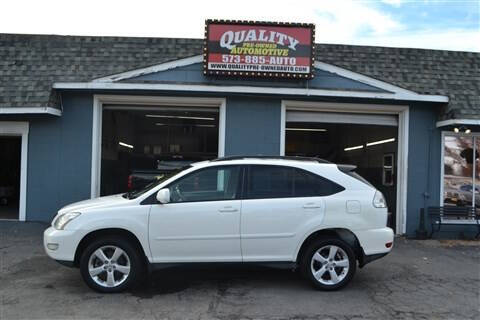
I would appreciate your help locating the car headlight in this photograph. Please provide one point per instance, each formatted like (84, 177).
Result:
(62, 220)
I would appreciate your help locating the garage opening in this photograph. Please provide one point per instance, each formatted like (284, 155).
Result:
(10, 156)
(367, 141)
(142, 143)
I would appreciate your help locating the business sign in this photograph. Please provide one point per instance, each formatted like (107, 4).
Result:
(260, 49)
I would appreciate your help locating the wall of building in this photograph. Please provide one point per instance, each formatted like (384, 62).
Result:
(59, 158)
(423, 163)
(59, 155)
(252, 126)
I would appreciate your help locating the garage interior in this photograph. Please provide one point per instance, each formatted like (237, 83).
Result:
(371, 146)
(141, 143)
(10, 155)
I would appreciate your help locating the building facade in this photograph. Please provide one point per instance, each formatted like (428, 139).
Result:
(82, 117)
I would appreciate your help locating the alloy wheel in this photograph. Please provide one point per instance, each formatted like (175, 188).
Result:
(330, 265)
(109, 266)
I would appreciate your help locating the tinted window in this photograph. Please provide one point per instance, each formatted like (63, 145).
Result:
(308, 184)
(269, 182)
(210, 184)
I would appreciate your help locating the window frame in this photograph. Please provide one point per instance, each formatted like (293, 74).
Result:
(246, 177)
(238, 195)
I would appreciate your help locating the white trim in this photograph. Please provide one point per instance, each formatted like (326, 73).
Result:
(451, 122)
(31, 110)
(246, 89)
(394, 92)
(156, 68)
(99, 100)
(403, 138)
(14, 128)
(283, 123)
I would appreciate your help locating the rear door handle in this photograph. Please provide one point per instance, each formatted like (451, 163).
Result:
(311, 206)
(227, 210)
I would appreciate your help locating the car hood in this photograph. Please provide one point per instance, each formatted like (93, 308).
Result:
(94, 203)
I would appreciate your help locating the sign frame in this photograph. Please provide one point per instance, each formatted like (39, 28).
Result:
(258, 74)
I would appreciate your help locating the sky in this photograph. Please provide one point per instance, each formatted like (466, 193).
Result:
(431, 24)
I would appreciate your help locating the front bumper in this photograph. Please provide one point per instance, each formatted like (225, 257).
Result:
(60, 244)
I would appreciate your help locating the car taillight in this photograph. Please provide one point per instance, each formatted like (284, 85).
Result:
(129, 182)
(379, 200)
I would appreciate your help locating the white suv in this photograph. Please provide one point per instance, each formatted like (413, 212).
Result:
(292, 212)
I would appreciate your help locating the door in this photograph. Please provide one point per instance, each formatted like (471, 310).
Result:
(281, 203)
(202, 221)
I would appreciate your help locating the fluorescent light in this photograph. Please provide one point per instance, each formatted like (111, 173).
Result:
(456, 130)
(353, 148)
(305, 129)
(177, 117)
(380, 142)
(181, 125)
(468, 131)
(125, 145)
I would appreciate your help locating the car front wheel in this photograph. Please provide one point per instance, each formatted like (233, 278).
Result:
(329, 264)
(110, 265)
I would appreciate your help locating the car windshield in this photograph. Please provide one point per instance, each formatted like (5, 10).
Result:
(138, 192)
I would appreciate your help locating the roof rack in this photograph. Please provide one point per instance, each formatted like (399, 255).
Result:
(272, 158)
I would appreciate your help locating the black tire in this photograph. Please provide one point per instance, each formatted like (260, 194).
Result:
(307, 264)
(134, 257)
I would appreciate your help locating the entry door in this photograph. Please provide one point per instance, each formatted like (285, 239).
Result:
(280, 203)
(202, 221)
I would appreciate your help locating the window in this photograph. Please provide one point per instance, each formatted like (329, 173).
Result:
(311, 185)
(270, 182)
(461, 182)
(283, 182)
(388, 169)
(210, 184)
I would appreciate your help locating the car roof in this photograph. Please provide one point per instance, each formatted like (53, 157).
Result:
(266, 160)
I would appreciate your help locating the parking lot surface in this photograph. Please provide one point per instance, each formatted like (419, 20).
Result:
(418, 280)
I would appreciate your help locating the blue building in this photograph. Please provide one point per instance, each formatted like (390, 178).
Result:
(82, 117)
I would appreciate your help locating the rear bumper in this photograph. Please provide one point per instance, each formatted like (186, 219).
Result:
(364, 259)
(375, 241)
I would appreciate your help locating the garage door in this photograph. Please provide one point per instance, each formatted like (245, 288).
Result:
(342, 117)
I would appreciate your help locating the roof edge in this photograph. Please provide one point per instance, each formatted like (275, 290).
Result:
(31, 110)
(452, 122)
(401, 96)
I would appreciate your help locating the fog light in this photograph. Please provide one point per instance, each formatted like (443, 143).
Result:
(388, 244)
(52, 246)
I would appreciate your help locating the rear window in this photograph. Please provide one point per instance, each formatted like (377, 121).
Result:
(355, 175)
(264, 182)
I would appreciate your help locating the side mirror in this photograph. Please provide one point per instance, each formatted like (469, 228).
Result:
(163, 196)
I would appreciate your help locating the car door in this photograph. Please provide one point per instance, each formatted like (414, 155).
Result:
(279, 203)
(201, 223)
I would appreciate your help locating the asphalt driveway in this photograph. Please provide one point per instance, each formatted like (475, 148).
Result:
(418, 280)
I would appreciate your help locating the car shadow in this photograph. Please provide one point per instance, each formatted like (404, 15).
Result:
(222, 277)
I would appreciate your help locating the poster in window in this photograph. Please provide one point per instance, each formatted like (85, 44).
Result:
(458, 171)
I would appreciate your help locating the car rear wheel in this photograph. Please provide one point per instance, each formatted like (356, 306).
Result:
(329, 264)
(110, 265)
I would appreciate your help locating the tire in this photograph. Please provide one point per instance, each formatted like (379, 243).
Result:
(121, 260)
(320, 270)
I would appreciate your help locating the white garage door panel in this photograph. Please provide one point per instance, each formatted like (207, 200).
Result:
(331, 117)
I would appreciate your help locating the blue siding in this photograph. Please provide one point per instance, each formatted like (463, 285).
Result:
(59, 158)
(252, 126)
(194, 74)
(423, 163)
